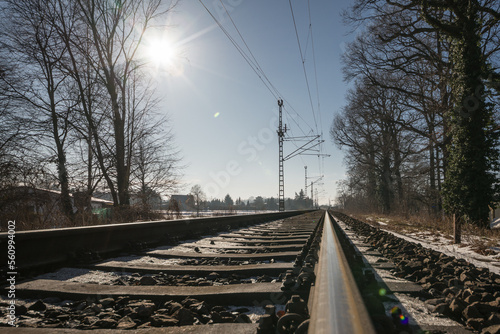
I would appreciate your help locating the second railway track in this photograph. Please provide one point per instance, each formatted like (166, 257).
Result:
(227, 280)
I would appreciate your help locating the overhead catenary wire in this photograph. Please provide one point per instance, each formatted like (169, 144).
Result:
(258, 67)
(310, 37)
(254, 64)
(314, 62)
(320, 156)
(252, 61)
(303, 65)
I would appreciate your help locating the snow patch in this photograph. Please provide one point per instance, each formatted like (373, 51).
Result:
(417, 312)
(441, 244)
(495, 223)
(255, 312)
(80, 275)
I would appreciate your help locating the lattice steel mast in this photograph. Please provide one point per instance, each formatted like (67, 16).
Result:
(281, 135)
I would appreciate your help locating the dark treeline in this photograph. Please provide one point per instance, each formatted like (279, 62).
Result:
(420, 127)
(77, 110)
(197, 201)
(299, 202)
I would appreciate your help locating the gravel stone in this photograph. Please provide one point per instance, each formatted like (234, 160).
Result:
(161, 320)
(475, 323)
(143, 309)
(472, 299)
(184, 316)
(147, 280)
(457, 306)
(126, 323)
(106, 323)
(38, 306)
(491, 330)
(107, 302)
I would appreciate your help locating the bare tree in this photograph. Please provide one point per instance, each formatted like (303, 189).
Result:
(11, 133)
(39, 82)
(381, 153)
(416, 41)
(89, 117)
(116, 31)
(198, 196)
(155, 169)
(75, 73)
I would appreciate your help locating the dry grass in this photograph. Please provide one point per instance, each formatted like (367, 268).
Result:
(482, 240)
(26, 221)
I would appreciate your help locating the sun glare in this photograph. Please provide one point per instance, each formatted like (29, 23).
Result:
(161, 52)
(164, 55)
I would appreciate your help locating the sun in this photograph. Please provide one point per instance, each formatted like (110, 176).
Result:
(163, 54)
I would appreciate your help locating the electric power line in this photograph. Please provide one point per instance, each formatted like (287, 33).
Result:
(254, 64)
(254, 67)
(314, 62)
(303, 65)
(250, 51)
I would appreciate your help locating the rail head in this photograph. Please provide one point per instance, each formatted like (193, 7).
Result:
(335, 302)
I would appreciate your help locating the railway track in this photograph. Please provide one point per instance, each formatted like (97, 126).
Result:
(280, 272)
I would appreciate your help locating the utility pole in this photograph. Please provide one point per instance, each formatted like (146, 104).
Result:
(311, 143)
(305, 191)
(281, 135)
(312, 188)
(312, 193)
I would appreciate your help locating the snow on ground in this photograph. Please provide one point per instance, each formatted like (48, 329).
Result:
(207, 243)
(417, 311)
(255, 312)
(204, 243)
(444, 245)
(80, 275)
(495, 224)
(138, 260)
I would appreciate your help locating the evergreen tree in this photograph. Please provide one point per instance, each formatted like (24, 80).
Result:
(228, 201)
(468, 188)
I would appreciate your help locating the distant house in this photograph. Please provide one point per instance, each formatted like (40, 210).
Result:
(185, 202)
(154, 201)
(44, 202)
(495, 212)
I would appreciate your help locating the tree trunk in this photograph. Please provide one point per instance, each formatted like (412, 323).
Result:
(66, 205)
(468, 187)
(457, 229)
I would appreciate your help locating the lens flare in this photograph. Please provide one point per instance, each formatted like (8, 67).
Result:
(398, 315)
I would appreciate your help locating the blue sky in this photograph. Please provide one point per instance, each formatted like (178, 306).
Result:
(223, 116)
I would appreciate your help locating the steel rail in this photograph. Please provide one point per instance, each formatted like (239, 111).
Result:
(335, 303)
